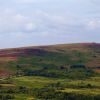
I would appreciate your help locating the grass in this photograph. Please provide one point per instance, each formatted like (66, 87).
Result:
(84, 91)
(69, 86)
(23, 97)
(39, 82)
(34, 81)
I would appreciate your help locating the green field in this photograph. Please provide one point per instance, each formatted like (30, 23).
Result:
(87, 87)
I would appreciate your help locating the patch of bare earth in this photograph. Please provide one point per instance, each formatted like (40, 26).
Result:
(4, 73)
(7, 59)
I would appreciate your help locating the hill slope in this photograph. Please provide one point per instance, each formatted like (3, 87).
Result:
(51, 61)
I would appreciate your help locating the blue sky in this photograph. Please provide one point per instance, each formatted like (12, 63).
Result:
(43, 22)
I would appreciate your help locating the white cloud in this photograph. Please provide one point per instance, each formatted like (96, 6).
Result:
(18, 18)
(11, 21)
(30, 26)
(94, 24)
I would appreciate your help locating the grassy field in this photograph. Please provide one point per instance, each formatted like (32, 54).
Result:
(38, 82)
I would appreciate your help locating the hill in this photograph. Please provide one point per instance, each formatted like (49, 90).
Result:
(54, 72)
(50, 61)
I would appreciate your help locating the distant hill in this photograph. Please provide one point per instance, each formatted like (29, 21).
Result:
(50, 61)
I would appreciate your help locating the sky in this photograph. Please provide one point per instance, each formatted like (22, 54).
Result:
(45, 22)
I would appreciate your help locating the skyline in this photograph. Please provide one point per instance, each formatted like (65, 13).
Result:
(45, 22)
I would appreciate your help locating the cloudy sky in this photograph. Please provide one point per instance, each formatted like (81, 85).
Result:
(42, 22)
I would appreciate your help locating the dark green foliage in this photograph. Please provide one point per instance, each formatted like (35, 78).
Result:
(23, 89)
(78, 66)
(7, 97)
(40, 73)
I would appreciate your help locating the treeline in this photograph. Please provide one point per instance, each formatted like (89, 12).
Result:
(73, 72)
